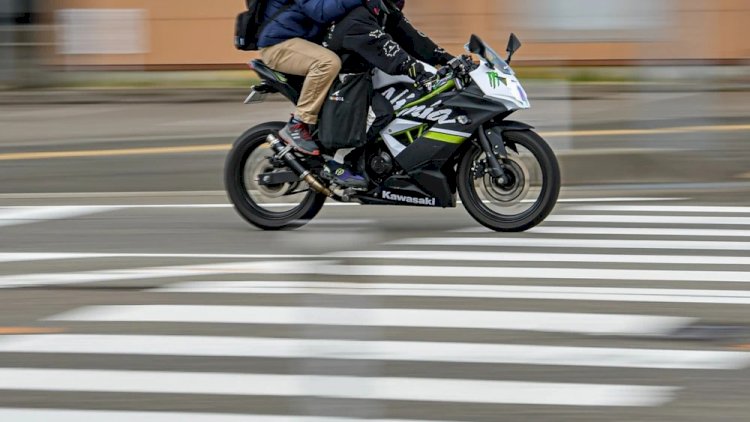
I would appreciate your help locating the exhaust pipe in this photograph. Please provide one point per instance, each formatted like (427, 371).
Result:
(285, 152)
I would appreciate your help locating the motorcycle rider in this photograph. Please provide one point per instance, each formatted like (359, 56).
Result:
(378, 35)
(289, 43)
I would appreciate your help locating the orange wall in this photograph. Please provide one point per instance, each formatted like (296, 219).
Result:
(199, 32)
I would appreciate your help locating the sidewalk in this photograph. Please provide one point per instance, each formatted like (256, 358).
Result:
(231, 86)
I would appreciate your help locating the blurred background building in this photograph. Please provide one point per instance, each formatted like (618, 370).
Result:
(197, 34)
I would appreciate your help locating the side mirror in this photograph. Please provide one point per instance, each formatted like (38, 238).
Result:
(513, 45)
(476, 46)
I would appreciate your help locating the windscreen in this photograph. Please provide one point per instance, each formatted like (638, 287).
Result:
(491, 56)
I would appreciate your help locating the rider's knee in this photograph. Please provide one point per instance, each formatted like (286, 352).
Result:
(329, 62)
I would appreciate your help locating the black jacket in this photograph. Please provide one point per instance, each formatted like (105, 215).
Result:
(388, 42)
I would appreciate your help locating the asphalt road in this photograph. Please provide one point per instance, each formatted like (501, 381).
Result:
(129, 288)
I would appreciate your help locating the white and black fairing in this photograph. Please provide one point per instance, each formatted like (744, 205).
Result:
(436, 127)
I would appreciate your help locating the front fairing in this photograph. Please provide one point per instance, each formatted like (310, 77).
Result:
(500, 85)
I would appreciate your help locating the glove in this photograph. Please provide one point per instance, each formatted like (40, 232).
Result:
(443, 57)
(417, 71)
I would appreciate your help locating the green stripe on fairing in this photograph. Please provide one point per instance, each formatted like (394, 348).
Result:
(444, 137)
(450, 85)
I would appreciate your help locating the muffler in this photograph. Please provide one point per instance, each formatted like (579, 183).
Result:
(284, 152)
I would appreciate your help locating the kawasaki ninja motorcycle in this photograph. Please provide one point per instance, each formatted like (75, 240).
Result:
(448, 138)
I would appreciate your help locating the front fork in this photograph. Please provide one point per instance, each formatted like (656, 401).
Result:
(492, 149)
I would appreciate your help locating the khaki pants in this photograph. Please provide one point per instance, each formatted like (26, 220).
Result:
(319, 65)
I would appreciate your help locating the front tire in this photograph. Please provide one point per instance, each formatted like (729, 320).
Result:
(265, 207)
(518, 204)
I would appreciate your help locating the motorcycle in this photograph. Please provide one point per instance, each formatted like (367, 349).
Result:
(448, 137)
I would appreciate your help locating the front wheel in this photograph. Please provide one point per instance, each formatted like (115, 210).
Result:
(269, 207)
(528, 194)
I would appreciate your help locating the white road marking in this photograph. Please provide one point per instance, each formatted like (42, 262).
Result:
(574, 243)
(374, 350)
(25, 257)
(14, 216)
(100, 208)
(44, 256)
(619, 199)
(380, 388)
(533, 273)
(65, 415)
(668, 209)
(650, 219)
(594, 324)
(740, 297)
(402, 255)
(157, 194)
(621, 231)
(118, 207)
(162, 194)
(447, 256)
(263, 267)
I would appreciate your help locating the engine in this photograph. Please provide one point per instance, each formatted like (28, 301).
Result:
(381, 165)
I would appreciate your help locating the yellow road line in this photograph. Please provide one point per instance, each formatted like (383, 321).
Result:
(112, 152)
(6, 331)
(43, 155)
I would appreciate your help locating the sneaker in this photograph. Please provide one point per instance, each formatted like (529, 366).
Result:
(297, 133)
(341, 175)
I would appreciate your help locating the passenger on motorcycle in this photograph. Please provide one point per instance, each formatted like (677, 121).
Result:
(290, 43)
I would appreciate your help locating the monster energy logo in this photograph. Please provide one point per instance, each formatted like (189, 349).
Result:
(495, 79)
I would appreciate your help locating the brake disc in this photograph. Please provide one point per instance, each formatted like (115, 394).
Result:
(512, 191)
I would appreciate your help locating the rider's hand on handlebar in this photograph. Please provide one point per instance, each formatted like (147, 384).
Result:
(417, 71)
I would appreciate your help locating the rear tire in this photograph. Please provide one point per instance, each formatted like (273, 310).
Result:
(549, 189)
(245, 204)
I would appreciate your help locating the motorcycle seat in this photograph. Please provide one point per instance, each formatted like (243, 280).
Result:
(288, 85)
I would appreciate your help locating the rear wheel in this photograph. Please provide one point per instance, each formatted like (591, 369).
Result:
(274, 207)
(522, 200)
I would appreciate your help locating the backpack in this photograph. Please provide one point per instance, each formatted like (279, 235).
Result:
(249, 24)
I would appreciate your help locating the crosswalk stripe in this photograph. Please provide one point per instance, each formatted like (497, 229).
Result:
(66, 415)
(375, 350)
(665, 208)
(649, 219)
(595, 324)
(25, 257)
(374, 388)
(25, 215)
(44, 256)
(574, 243)
(621, 231)
(738, 297)
(534, 273)
(446, 256)
(263, 267)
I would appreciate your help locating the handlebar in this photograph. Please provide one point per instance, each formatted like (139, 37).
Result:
(459, 67)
